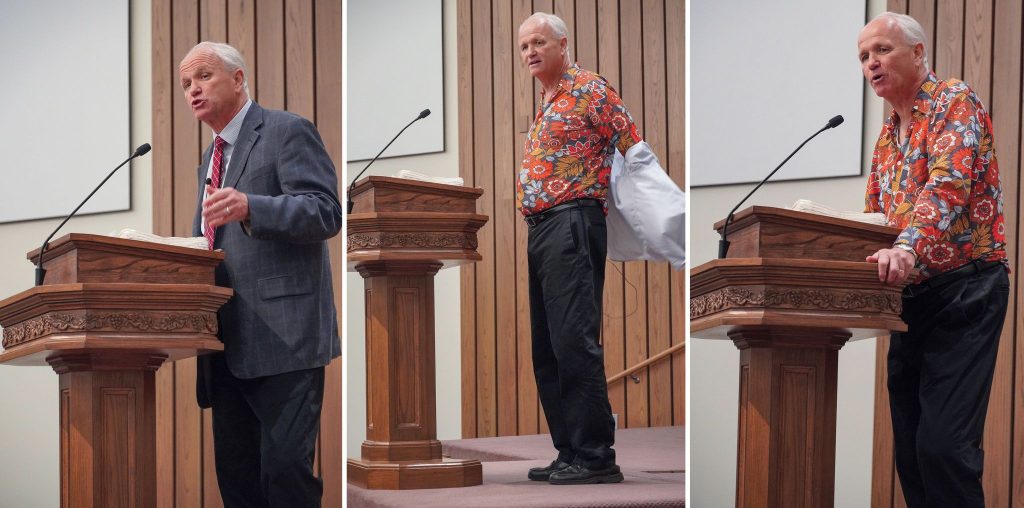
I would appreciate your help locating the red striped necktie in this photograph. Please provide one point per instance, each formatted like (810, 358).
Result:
(218, 155)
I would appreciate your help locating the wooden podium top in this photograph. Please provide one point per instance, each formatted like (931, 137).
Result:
(803, 218)
(73, 240)
(789, 270)
(104, 298)
(397, 220)
(389, 194)
(764, 231)
(78, 257)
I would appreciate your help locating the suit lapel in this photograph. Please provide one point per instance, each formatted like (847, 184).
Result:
(247, 137)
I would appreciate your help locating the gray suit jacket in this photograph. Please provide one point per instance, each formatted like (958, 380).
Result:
(281, 317)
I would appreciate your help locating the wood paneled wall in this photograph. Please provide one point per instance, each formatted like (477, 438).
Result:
(980, 42)
(293, 52)
(638, 45)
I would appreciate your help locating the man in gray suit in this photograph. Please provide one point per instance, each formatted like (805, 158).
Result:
(270, 202)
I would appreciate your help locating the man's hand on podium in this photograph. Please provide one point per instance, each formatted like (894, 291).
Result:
(894, 265)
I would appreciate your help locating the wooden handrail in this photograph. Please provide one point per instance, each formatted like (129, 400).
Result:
(656, 358)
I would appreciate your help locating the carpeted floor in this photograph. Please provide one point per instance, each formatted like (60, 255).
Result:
(652, 461)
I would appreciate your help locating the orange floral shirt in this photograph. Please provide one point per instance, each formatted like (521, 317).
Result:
(571, 144)
(942, 185)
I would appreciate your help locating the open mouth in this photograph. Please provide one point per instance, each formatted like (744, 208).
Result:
(197, 102)
(877, 78)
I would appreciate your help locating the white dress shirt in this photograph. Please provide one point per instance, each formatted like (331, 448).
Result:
(646, 210)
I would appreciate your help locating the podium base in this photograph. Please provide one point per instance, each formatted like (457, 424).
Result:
(407, 475)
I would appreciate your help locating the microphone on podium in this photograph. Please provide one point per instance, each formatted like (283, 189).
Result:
(423, 114)
(40, 273)
(723, 243)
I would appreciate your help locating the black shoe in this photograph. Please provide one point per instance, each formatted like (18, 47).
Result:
(577, 474)
(541, 474)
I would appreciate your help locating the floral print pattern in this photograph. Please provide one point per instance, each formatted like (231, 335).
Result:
(570, 146)
(942, 185)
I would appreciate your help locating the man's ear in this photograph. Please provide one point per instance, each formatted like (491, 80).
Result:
(919, 52)
(239, 78)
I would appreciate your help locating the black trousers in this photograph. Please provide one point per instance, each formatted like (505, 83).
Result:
(264, 437)
(940, 374)
(566, 255)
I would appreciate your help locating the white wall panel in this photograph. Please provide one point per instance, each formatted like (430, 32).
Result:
(395, 68)
(64, 101)
(764, 76)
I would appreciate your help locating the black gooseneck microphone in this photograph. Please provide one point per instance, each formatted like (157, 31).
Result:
(40, 273)
(723, 243)
(423, 114)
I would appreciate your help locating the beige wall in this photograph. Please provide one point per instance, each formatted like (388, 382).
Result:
(28, 395)
(446, 285)
(714, 365)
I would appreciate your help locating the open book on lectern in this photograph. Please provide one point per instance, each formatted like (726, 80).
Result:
(806, 205)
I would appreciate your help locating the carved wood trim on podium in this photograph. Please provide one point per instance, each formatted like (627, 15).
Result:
(401, 232)
(792, 291)
(105, 340)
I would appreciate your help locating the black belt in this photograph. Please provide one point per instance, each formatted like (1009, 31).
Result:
(539, 217)
(975, 266)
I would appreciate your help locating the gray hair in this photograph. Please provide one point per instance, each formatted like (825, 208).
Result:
(913, 32)
(557, 27)
(228, 55)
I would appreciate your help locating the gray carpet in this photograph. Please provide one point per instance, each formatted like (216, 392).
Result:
(652, 462)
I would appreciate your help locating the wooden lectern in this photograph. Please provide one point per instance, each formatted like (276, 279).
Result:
(400, 233)
(109, 313)
(792, 290)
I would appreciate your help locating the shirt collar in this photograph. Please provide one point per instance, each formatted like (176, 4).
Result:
(234, 127)
(569, 78)
(922, 103)
(566, 82)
